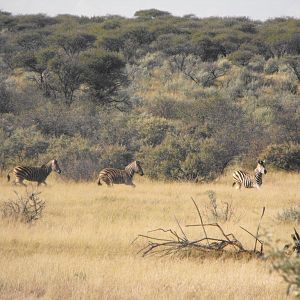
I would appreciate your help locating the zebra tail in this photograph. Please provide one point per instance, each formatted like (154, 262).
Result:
(8, 176)
(233, 184)
(98, 181)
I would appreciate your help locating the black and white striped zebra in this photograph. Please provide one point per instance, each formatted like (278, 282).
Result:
(37, 174)
(246, 180)
(112, 176)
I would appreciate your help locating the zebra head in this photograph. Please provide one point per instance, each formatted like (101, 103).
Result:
(261, 168)
(134, 167)
(55, 167)
(138, 168)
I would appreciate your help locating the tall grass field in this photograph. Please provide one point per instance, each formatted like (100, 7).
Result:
(81, 247)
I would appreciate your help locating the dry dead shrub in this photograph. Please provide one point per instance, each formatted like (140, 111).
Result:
(290, 214)
(224, 245)
(26, 209)
(219, 211)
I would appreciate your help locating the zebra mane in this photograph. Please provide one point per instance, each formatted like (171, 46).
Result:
(47, 165)
(131, 169)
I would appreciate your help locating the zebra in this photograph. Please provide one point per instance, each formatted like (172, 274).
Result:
(37, 174)
(250, 181)
(116, 176)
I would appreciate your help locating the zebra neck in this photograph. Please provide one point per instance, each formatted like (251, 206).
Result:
(129, 171)
(258, 178)
(47, 168)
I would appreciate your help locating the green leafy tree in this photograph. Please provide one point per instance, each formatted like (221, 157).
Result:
(151, 13)
(74, 43)
(105, 75)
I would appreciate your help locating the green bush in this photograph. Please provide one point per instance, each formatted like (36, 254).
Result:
(114, 156)
(23, 146)
(163, 161)
(78, 159)
(284, 156)
(271, 66)
(150, 131)
(241, 57)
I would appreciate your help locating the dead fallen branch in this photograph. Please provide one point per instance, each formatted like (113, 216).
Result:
(178, 242)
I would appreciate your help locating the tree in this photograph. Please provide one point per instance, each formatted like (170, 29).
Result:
(67, 75)
(209, 50)
(294, 63)
(104, 75)
(151, 13)
(37, 63)
(75, 43)
(32, 41)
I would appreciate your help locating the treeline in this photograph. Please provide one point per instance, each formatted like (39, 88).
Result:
(186, 96)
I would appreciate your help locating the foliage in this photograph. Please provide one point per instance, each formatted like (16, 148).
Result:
(284, 156)
(286, 262)
(78, 160)
(151, 13)
(185, 95)
(271, 66)
(291, 214)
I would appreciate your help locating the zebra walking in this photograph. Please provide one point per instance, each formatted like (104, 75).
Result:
(116, 176)
(37, 174)
(242, 178)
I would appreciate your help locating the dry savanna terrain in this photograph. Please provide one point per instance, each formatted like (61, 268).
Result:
(81, 247)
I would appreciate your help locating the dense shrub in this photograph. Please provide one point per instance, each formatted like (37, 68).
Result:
(241, 57)
(163, 161)
(78, 159)
(271, 66)
(23, 146)
(284, 156)
(151, 131)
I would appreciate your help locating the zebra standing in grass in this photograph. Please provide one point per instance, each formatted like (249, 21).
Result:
(250, 181)
(37, 174)
(116, 176)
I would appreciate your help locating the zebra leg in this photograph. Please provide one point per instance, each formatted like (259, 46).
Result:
(99, 181)
(108, 182)
(20, 181)
(40, 182)
(239, 185)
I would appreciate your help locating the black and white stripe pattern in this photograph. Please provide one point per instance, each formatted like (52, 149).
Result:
(116, 176)
(37, 174)
(246, 180)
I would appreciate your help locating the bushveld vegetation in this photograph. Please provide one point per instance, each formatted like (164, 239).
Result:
(187, 96)
(190, 98)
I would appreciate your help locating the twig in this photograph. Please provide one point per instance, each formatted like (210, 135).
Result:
(201, 221)
(256, 238)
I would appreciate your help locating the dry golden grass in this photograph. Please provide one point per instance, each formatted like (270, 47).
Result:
(81, 248)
